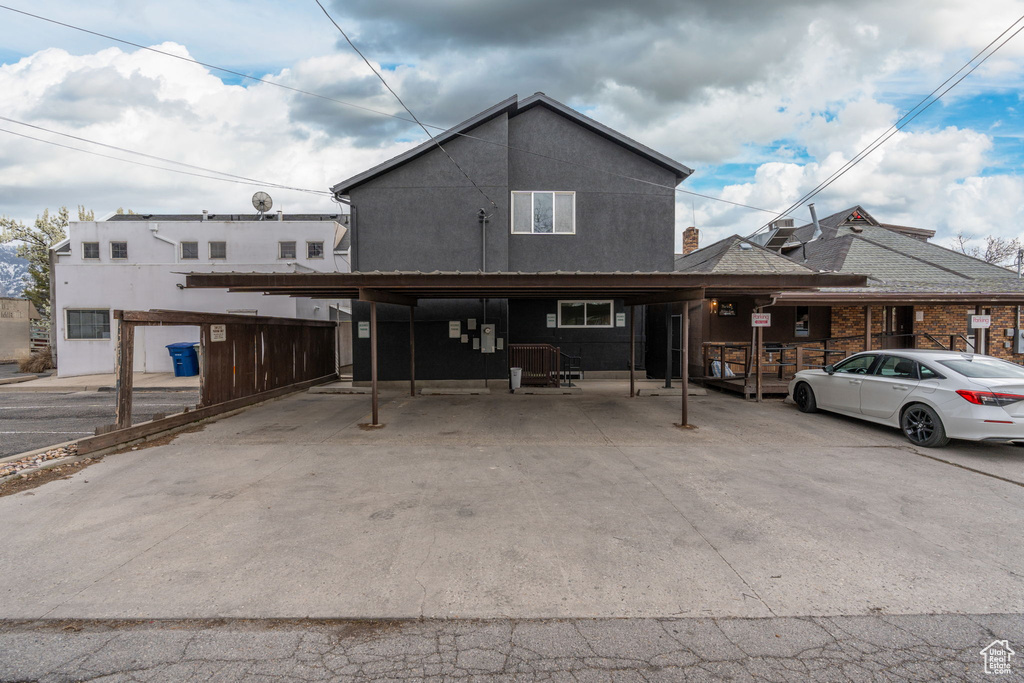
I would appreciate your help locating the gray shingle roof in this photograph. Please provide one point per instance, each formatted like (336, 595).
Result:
(728, 256)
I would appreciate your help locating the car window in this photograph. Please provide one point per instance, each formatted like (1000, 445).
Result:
(895, 366)
(928, 373)
(858, 365)
(980, 366)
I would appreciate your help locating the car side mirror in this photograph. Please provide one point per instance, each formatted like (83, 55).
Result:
(830, 369)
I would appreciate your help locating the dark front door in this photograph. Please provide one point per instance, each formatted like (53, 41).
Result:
(904, 327)
(677, 349)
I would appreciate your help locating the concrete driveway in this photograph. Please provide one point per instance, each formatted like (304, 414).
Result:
(522, 506)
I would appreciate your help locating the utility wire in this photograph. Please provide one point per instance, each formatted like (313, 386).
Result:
(902, 122)
(404, 106)
(256, 183)
(156, 158)
(377, 111)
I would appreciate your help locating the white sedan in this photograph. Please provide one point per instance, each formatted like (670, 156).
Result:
(932, 396)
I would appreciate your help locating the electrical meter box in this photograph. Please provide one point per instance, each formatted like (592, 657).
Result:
(487, 338)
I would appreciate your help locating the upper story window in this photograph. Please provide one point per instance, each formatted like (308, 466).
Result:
(314, 249)
(286, 250)
(218, 250)
(585, 313)
(189, 251)
(544, 213)
(87, 324)
(91, 250)
(119, 250)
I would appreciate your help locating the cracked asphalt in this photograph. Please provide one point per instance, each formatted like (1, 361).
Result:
(864, 648)
(511, 537)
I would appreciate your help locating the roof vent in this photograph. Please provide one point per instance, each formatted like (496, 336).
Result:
(746, 246)
(857, 228)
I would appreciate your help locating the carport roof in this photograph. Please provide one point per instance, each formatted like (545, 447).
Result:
(406, 288)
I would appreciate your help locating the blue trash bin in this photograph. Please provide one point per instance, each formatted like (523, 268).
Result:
(184, 358)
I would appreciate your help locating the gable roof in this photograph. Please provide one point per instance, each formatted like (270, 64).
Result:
(830, 224)
(736, 255)
(514, 106)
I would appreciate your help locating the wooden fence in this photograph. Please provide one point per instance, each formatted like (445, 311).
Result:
(540, 363)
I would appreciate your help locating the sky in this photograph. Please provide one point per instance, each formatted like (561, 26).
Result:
(763, 100)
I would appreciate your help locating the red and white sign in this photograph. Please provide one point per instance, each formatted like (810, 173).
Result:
(981, 322)
(760, 319)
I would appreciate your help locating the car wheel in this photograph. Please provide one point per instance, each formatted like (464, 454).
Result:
(923, 427)
(803, 396)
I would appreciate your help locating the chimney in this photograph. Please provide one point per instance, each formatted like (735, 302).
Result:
(691, 240)
(206, 214)
(280, 215)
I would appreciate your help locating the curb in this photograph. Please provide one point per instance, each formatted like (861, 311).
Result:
(36, 451)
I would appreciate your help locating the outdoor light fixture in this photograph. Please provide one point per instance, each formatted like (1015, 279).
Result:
(714, 306)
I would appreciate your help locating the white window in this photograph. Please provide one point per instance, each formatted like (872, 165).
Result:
(189, 251)
(218, 250)
(314, 249)
(585, 313)
(286, 250)
(119, 250)
(87, 324)
(544, 213)
(91, 250)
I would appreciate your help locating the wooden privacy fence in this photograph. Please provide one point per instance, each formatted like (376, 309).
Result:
(246, 358)
(242, 360)
(540, 363)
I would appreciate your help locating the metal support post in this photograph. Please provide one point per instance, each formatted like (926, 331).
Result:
(412, 351)
(373, 359)
(632, 354)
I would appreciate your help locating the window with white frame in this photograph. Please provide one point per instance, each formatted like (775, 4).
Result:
(585, 314)
(218, 250)
(119, 250)
(286, 250)
(544, 213)
(87, 323)
(189, 251)
(91, 250)
(314, 249)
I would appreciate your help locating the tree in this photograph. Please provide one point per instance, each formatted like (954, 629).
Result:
(34, 246)
(998, 250)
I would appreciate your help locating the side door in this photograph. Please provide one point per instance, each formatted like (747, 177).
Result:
(841, 389)
(889, 384)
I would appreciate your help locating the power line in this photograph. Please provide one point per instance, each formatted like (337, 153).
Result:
(902, 122)
(378, 112)
(156, 158)
(256, 183)
(404, 106)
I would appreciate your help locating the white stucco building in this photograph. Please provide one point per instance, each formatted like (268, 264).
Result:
(137, 262)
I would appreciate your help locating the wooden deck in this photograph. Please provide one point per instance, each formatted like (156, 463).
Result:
(770, 386)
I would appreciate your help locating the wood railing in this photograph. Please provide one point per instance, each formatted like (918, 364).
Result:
(540, 363)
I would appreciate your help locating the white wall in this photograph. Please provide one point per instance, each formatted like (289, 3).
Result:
(149, 279)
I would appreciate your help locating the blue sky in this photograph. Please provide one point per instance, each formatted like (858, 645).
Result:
(762, 100)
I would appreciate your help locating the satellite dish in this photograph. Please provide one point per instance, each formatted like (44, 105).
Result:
(262, 202)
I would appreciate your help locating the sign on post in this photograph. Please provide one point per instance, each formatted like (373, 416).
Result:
(218, 333)
(760, 319)
(981, 322)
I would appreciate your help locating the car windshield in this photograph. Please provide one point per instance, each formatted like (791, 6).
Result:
(984, 367)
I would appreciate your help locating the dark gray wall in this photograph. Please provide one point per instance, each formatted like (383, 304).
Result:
(621, 225)
(423, 214)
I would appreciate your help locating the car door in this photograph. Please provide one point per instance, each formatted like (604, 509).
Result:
(888, 385)
(841, 389)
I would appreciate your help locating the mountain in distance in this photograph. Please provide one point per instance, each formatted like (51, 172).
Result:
(13, 271)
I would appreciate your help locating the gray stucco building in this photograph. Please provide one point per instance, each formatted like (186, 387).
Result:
(534, 187)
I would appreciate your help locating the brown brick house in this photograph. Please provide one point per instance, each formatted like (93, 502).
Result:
(919, 295)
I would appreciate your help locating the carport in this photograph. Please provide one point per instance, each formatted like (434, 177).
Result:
(408, 288)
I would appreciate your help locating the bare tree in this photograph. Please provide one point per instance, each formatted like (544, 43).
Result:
(999, 251)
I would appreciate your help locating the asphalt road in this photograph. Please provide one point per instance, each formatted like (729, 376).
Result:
(30, 420)
(864, 648)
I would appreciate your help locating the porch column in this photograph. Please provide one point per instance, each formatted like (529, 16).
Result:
(412, 351)
(668, 346)
(125, 361)
(759, 345)
(867, 328)
(373, 359)
(684, 360)
(632, 354)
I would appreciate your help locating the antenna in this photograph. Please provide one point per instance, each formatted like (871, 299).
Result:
(262, 203)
